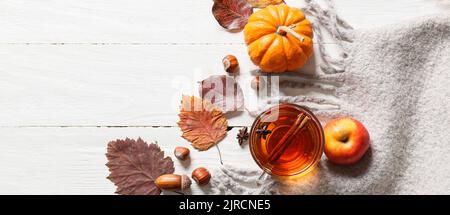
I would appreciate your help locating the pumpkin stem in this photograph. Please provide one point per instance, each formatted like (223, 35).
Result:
(282, 30)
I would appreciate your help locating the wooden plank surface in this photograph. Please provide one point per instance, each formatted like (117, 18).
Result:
(121, 83)
(106, 85)
(69, 69)
(168, 21)
(60, 85)
(72, 160)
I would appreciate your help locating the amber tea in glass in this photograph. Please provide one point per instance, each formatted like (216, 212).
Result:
(300, 150)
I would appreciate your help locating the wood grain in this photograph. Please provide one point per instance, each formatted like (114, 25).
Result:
(75, 74)
(72, 160)
(160, 22)
(114, 85)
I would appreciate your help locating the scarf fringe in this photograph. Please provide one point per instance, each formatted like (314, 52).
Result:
(326, 20)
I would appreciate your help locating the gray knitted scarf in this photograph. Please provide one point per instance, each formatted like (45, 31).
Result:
(396, 80)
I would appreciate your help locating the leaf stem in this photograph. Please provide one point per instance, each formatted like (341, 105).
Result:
(220, 154)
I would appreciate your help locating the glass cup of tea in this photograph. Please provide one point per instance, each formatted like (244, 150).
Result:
(286, 140)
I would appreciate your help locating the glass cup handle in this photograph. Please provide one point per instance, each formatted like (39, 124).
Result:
(260, 178)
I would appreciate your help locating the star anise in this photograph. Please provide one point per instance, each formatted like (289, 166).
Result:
(263, 131)
(242, 136)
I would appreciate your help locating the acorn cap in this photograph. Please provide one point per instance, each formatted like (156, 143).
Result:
(185, 182)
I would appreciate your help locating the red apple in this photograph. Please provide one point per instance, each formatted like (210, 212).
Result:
(346, 140)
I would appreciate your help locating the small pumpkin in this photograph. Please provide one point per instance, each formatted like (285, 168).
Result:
(279, 38)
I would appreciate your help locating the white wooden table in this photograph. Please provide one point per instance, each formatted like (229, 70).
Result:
(75, 74)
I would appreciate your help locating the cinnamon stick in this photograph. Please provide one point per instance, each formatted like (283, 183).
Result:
(286, 140)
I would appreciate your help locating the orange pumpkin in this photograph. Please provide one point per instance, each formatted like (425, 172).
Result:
(279, 38)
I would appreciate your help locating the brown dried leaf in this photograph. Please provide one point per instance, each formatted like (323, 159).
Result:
(263, 3)
(134, 166)
(203, 124)
(223, 92)
(232, 14)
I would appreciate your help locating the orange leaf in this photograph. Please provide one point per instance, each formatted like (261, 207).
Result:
(263, 3)
(203, 124)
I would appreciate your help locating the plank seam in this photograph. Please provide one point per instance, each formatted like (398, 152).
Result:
(103, 126)
(128, 44)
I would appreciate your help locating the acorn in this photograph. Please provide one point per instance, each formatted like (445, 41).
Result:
(173, 182)
(201, 176)
(181, 152)
(230, 64)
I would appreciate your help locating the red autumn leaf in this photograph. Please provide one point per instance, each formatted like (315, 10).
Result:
(202, 124)
(263, 3)
(134, 166)
(223, 92)
(232, 14)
